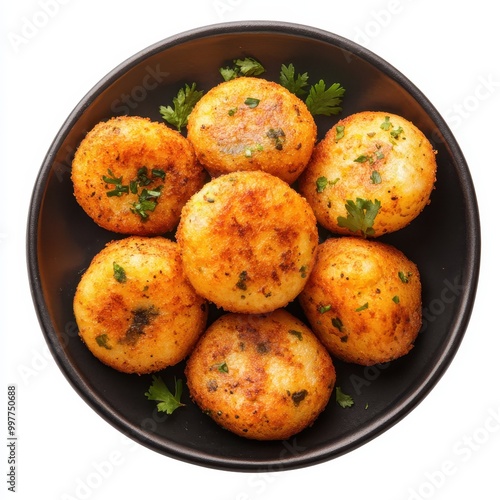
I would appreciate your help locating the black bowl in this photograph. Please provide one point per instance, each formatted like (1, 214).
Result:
(444, 241)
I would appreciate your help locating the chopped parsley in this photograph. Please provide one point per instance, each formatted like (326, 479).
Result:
(167, 402)
(344, 400)
(297, 333)
(395, 299)
(324, 309)
(363, 307)
(337, 323)
(119, 273)
(405, 278)
(242, 279)
(147, 199)
(252, 102)
(298, 397)
(102, 341)
(375, 177)
(223, 367)
(319, 99)
(242, 67)
(360, 216)
(183, 103)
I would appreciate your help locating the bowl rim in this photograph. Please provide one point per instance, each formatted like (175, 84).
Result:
(405, 405)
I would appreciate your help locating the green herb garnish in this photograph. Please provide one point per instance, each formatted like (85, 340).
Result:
(167, 402)
(242, 67)
(102, 341)
(344, 400)
(296, 85)
(252, 102)
(360, 216)
(184, 103)
(119, 273)
(319, 99)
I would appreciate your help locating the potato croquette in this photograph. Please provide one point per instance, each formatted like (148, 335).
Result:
(133, 176)
(252, 124)
(248, 242)
(135, 309)
(363, 300)
(371, 156)
(263, 377)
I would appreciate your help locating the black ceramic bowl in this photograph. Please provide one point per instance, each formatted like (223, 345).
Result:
(444, 241)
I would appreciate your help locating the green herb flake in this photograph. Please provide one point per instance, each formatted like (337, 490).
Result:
(298, 397)
(375, 177)
(405, 278)
(324, 309)
(119, 273)
(395, 299)
(223, 367)
(167, 402)
(337, 323)
(242, 278)
(303, 272)
(362, 159)
(297, 333)
(363, 307)
(321, 183)
(360, 216)
(252, 102)
(102, 341)
(278, 136)
(386, 124)
(339, 132)
(396, 133)
(344, 400)
(119, 188)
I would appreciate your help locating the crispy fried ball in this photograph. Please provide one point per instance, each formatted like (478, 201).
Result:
(133, 176)
(370, 156)
(248, 242)
(363, 300)
(262, 377)
(135, 309)
(252, 124)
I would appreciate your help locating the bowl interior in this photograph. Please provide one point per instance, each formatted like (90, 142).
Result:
(443, 241)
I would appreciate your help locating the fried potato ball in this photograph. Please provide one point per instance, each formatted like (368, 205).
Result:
(363, 300)
(252, 124)
(133, 176)
(248, 242)
(134, 307)
(263, 377)
(370, 156)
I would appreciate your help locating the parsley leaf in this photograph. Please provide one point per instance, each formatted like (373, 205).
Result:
(325, 101)
(184, 103)
(167, 401)
(344, 400)
(242, 67)
(297, 85)
(360, 216)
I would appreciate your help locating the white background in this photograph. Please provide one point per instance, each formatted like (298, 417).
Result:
(447, 448)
